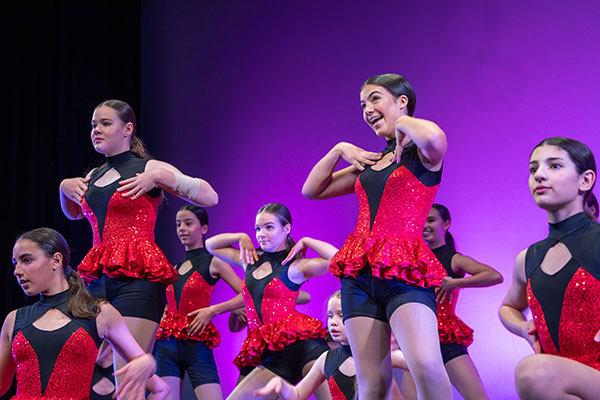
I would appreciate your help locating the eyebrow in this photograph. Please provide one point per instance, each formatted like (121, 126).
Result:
(373, 92)
(547, 159)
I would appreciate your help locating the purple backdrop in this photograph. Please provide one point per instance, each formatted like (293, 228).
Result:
(249, 95)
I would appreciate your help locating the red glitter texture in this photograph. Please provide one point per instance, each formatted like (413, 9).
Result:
(196, 294)
(336, 392)
(579, 322)
(394, 246)
(281, 324)
(452, 329)
(127, 247)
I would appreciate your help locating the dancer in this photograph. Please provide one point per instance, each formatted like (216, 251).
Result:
(558, 279)
(455, 335)
(52, 344)
(186, 335)
(120, 200)
(281, 341)
(386, 255)
(591, 207)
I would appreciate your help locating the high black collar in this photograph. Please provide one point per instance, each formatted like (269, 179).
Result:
(195, 252)
(119, 159)
(568, 226)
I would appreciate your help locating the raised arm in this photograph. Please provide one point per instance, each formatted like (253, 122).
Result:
(323, 183)
(515, 303)
(7, 362)
(167, 177)
(427, 136)
(71, 192)
(305, 268)
(482, 275)
(221, 246)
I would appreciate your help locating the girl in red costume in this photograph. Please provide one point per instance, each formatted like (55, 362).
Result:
(120, 200)
(558, 278)
(455, 335)
(54, 342)
(186, 335)
(388, 272)
(281, 341)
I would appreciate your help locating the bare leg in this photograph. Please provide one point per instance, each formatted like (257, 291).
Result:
(409, 390)
(322, 392)
(208, 391)
(415, 328)
(370, 342)
(144, 331)
(256, 379)
(174, 383)
(548, 377)
(465, 378)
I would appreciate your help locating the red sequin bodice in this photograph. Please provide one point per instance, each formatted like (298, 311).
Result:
(126, 247)
(281, 324)
(393, 247)
(196, 293)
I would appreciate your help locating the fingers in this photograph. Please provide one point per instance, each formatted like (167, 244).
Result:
(597, 337)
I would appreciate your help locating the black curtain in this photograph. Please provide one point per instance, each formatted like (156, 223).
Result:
(59, 62)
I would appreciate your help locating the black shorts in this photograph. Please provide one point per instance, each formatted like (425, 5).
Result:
(132, 297)
(288, 363)
(452, 350)
(368, 296)
(174, 357)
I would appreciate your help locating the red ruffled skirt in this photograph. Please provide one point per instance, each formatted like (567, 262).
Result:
(177, 325)
(453, 330)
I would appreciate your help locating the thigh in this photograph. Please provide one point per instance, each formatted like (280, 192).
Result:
(451, 351)
(167, 362)
(199, 362)
(209, 391)
(137, 298)
(465, 378)
(174, 387)
(290, 362)
(358, 299)
(258, 378)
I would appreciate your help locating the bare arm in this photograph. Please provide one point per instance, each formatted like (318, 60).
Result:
(71, 192)
(515, 302)
(426, 135)
(306, 268)
(323, 183)
(167, 177)
(221, 246)
(7, 362)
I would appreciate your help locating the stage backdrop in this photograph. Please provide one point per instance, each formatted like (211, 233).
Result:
(249, 95)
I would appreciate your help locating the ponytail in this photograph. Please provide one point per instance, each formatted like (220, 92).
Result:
(445, 215)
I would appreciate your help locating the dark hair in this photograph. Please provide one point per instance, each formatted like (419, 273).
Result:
(398, 86)
(445, 215)
(591, 207)
(81, 304)
(199, 212)
(126, 115)
(283, 215)
(580, 154)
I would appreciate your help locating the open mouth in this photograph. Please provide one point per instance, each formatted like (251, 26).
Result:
(374, 119)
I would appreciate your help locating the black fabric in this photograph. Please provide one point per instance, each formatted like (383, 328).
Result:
(452, 350)
(127, 165)
(580, 235)
(200, 260)
(445, 254)
(174, 357)
(288, 363)
(333, 360)
(373, 182)
(99, 373)
(256, 287)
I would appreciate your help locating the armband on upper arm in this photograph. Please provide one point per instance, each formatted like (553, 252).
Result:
(186, 186)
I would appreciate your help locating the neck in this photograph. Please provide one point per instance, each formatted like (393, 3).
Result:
(56, 288)
(555, 216)
(194, 246)
(118, 151)
(435, 243)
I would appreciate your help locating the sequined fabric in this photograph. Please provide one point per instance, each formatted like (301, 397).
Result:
(196, 294)
(336, 392)
(579, 322)
(72, 374)
(126, 247)
(281, 324)
(393, 247)
(452, 329)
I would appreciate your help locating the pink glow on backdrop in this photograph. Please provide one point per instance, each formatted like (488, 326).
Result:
(250, 95)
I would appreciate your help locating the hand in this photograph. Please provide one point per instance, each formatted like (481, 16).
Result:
(357, 156)
(134, 376)
(247, 251)
(597, 337)
(138, 185)
(159, 388)
(203, 318)
(446, 289)
(299, 247)
(532, 337)
(401, 141)
(74, 189)
(240, 314)
(273, 386)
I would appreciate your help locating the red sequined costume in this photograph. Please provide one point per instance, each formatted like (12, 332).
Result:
(566, 305)
(341, 387)
(56, 364)
(123, 229)
(192, 291)
(451, 328)
(393, 205)
(273, 322)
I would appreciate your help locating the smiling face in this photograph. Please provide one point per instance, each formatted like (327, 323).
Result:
(34, 269)
(189, 230)
(270, 233)
(554, 181)
(435, 229)
(110, 136)
(381, 109)
(335, 323)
